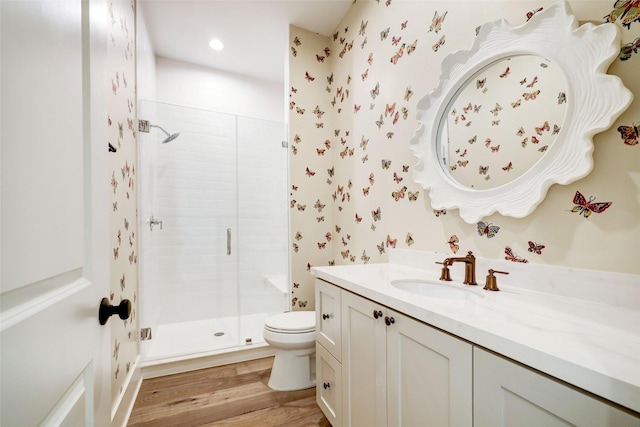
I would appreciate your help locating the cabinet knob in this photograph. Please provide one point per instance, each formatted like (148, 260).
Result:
(325, 316)
(377, 314)
(389, 320)
(326, 385)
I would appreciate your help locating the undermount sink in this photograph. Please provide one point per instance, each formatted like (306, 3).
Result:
(434, 289)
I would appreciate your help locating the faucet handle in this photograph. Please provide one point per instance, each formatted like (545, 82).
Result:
(445, 274)
(492, 283)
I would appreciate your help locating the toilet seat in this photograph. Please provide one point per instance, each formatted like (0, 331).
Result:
(293, 322)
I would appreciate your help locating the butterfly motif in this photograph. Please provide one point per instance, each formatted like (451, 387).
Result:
(496, 109)
(309, 172)
(371, 180)
(535, 247)
(320, 152)
(296, 248)
(302, 304)
(630, 134)
(408, 93)
(505, 73)
(318, 205)
(365, 191)
(358, 219)
(544, 127)
(380, 247)
(438, 44)
(399, 194)
(533, 82)
(301, 208)
(375, 91)
(395, 40)
(405, 168)
(391, 242)
(495, 148)
(508, 167)
(533, 12)
(439, 212)
(453, 243)
(629, 48)
(512, 256)
(409, 239)
(556, 129)
(364, 257)
(322, 245)
(413, 196)
(627, 11)
(298, 236)
(345, 254)
(308, 76)
(436, 22)
(480, 83)
(384, 33)
(397, 178)
(376, 214)
(520, 131)
(390, 135)
(516, 104)
(530, 95)
(586, 207)
(412, 47)
(482, 170)
(543, 148)
(487, 229)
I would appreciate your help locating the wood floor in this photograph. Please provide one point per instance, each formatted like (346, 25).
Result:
(231, 395)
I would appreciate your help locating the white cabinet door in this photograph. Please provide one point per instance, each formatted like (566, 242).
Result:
(507, 394)
(328, 317)
(429, 376)
(329, 386)
(54, 203)
(364, 351)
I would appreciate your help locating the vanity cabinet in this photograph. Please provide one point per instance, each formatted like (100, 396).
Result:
(508, 394)
(395, 370)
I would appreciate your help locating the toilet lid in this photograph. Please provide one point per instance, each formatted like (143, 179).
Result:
(293, 321)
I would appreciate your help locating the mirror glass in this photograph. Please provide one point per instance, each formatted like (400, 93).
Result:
(502, 121)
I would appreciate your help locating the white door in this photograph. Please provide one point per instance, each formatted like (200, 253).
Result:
(54, 213)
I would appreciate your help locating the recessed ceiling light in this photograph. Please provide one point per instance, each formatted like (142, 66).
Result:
(216, 44)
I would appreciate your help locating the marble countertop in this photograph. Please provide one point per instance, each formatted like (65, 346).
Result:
(589, 344)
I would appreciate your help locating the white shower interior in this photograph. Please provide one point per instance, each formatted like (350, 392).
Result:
(216, 266)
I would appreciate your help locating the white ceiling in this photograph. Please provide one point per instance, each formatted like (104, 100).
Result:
(254, 32)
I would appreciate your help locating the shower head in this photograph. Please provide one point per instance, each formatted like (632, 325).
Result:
(170, 137)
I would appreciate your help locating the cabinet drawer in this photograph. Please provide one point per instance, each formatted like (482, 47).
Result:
(328, 385)
(328, 318)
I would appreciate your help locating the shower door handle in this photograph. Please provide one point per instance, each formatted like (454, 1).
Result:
(228, 241)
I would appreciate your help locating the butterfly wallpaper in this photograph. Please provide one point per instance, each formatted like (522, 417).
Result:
(352, 112)
(122, 155)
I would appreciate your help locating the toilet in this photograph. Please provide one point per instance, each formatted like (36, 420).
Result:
(293, 335)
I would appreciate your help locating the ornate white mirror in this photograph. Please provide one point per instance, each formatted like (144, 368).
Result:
(517, 113)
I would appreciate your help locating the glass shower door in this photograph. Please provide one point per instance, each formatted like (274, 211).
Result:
(188, 269)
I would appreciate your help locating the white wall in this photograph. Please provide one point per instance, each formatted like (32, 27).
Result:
(195, 86)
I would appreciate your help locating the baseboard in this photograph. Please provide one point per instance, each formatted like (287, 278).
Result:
(160, 368)
(121, 411)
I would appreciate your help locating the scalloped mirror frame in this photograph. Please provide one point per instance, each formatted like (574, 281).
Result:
(594, 101)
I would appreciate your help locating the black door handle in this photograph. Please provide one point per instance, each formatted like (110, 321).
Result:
(123, 310)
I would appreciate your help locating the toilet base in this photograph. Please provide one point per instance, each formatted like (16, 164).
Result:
(293, 370)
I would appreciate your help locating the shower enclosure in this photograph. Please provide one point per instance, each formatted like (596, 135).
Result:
(213, 229)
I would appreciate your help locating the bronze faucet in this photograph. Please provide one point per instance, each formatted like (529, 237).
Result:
(469, 268)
